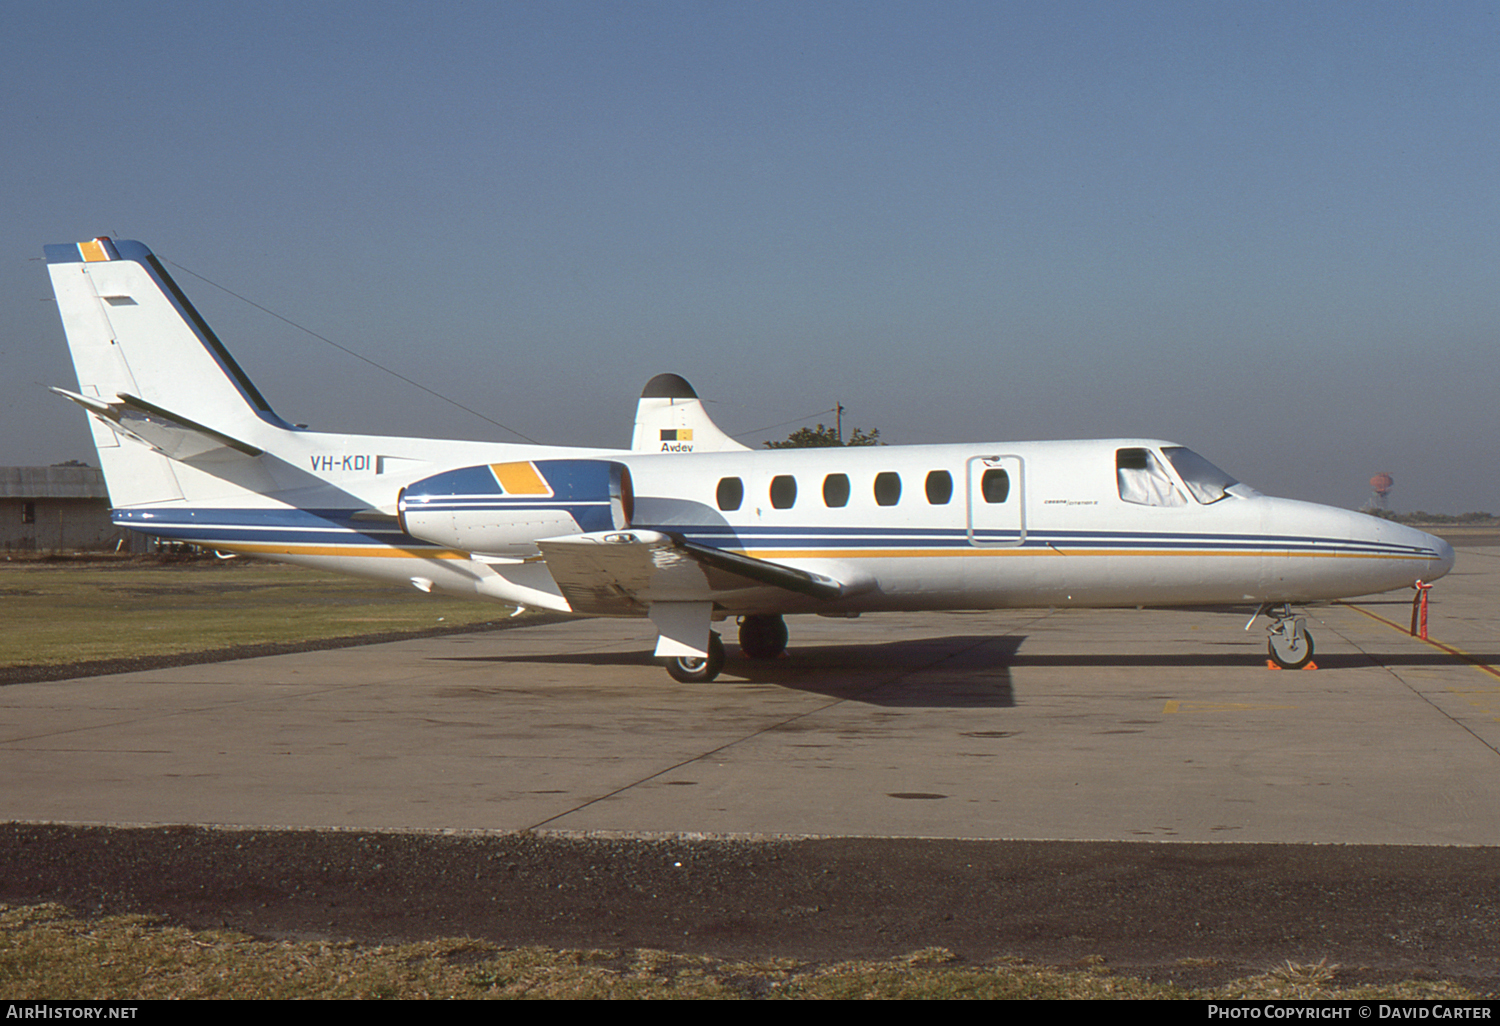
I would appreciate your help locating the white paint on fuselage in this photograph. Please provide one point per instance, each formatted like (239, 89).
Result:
(1085, 546)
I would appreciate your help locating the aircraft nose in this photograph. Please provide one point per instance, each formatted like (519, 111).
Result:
(1442, 562)
(1419, 556)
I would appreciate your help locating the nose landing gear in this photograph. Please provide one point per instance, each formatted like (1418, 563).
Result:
(1289, 644)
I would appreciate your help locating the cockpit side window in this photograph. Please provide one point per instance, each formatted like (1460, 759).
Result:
(1207, 482)
(1144, 481)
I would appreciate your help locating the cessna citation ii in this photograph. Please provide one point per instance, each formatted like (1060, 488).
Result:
(688, 527)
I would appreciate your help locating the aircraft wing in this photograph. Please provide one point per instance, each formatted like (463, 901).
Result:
(622, 572)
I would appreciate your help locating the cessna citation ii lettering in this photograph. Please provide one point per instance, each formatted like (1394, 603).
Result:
(688, 527)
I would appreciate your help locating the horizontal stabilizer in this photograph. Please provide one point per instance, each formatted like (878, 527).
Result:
(171, 435)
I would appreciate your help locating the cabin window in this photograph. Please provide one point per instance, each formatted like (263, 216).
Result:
(836, 490)
(783, 491)
(887, 488)
(1207, 482)
(28, 512)
(994, 486)
(731, 493)
(1144, 481)
(939, 487)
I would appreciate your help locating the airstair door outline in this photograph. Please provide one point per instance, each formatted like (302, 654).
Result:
(995, 496)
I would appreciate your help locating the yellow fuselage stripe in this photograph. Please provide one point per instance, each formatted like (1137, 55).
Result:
(393, 552)
(1015, 550)
(358, 551)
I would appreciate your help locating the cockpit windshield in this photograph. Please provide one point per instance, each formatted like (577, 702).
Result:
(1207, 482)
(1144, 481)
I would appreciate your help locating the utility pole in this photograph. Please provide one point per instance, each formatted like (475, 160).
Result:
(838, 419)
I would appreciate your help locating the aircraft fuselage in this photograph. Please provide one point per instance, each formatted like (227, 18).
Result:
(910, 524)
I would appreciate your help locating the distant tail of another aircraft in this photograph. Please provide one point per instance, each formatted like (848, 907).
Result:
(670, 418)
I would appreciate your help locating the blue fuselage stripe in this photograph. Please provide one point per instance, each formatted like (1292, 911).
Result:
(325, 527)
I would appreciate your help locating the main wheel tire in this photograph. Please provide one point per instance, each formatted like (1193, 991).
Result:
(1291, 653)
(762, 636)
(696, 669)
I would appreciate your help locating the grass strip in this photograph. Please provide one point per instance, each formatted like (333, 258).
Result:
(71, 615)
(47, 953)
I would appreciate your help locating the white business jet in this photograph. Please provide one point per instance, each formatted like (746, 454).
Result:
(688, 527)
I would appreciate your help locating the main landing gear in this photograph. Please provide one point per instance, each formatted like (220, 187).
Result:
(696, 669)
(761, 637)
(1289, 644)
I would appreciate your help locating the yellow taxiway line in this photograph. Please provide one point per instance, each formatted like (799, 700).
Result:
(1452, 650)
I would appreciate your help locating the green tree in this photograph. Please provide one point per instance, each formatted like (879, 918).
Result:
(822, 437)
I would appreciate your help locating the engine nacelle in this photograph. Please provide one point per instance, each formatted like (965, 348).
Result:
(501, 509)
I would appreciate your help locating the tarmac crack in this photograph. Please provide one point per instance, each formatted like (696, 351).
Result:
(1405, 683)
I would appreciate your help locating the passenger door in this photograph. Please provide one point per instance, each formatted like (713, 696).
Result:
(995, 496)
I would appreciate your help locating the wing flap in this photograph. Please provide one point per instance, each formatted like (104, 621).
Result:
(763, 571)
(620, 573)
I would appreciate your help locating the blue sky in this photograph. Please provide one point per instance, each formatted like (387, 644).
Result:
(1270, 231)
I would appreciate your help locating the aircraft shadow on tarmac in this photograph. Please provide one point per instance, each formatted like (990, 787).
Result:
(948, 672)
(1330, 661)
(955, 671)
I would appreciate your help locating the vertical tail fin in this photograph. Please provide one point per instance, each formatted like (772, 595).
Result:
(670, 418)
(159, 385)
(132, 331)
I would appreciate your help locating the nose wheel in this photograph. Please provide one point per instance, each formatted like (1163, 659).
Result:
(1289, 644)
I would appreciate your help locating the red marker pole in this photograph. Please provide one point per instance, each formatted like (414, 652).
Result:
(1419, 610)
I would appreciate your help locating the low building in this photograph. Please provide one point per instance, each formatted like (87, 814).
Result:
(57, 509)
